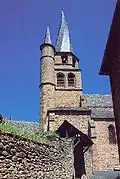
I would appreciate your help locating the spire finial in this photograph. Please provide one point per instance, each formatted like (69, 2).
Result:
(62, 15)
(47, 36)
(63, 43)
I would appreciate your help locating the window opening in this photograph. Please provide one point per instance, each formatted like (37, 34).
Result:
(71, 79)
(73, 62)
(112, 134)
(60, 80)
(64, 59)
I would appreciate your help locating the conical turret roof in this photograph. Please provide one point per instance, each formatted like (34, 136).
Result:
(47, 38)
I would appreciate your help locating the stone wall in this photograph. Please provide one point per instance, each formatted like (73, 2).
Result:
(105, 155)
(67, 98)
(21, 158)
(88, 162)
(80, 121)
(58, 60)
(47, 65)
(46, 102)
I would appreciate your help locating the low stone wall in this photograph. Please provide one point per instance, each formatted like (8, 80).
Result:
(22, 158)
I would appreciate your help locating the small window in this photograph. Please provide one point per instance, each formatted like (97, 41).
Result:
(73, 62)
(60, 80)
(64, 59)
(112, 134)
(71, 79)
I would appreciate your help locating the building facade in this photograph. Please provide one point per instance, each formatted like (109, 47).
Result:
(111, 66)
(62, 99)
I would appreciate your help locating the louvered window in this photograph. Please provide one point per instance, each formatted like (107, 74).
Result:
(60, 80)
(71, 79)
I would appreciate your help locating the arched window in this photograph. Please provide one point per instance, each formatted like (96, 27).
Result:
(60, 80)
(71, 79)
(112, 134)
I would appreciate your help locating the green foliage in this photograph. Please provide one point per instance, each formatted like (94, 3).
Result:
(6, 127)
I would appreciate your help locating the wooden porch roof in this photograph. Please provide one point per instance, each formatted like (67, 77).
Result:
(68, 129)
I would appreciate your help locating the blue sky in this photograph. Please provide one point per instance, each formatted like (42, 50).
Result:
(22, 28)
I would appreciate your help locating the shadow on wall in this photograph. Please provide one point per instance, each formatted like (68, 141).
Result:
(79, 162)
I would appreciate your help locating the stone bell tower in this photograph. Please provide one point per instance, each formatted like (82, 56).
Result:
(60, 85)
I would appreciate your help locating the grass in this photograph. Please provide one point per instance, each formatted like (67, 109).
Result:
(7, 127)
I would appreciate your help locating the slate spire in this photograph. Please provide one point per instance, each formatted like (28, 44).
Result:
(63, 43)
(47, 38)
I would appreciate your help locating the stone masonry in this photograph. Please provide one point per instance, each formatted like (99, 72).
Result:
(76, 118)
(47, 83)
(105, 155)
(22, 158)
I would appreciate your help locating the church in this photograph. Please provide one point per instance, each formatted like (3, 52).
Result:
(65, 109)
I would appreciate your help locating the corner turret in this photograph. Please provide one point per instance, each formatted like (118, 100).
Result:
(47, 78)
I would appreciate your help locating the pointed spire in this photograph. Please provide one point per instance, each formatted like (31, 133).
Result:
(47, 36)
(63, 43)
